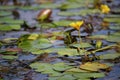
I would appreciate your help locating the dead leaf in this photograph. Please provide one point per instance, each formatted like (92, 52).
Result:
(93, 66)
(14, 49)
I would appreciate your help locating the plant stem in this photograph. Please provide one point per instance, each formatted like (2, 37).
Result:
(80, 41)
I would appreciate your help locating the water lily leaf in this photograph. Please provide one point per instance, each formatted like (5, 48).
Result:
(66, 77)
(11, 21)
(76, 70)
(41, 67)
(113, 38)
(62, 23)
(61, 66)
(9, 57)
(110, 56)
(82, 12)
(88, 75)
(117, 27)
(5, 13)
(7, 52)
(49, 5)
(9, 40)
(97, 37)
(93, 66)
(34, 45)
(65, 51)
(7, 7)
(9, 27)
(68, 5)
(116, 20)
(82, 45)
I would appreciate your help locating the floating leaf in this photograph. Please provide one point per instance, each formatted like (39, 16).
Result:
(62, 23)
(41, 67)
(97, 37)
(50, 6)
(76, 70)
(110, 56)
(81, 12)
(116, 20)
(82, 45)
(5, 13)
(65, 51)
(113, 38)
(9, 57)
(93, 66)
(11, 21)
(7, 7)
(61, 66)
(88, 75)
(66, 77)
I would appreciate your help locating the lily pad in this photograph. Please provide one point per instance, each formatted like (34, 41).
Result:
(88, 75)
(115, 20)
(34, 45)
(41, 67)
(7, 7)
(93, 66)
(117, 27)
(110, 56)
(5, 13)
(61, 66)
(65, 51)
(81, 12)
(49, 5)
(11, 21)
(76, 70)
(97, 37)
(83, 45)
(11, 57)
(9, 27)
(113, 38)
(66, 77)
(62, 23)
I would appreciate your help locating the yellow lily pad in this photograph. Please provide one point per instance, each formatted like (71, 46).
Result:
(93, 66)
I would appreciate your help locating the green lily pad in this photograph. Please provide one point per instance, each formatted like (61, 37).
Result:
(5, 13)
(76, 70)
(11, 21)
(61, 66)
(49, 5)
(97, 37)
(115, 20)
(69, 5)
(110, 56)
(88, 75)
(9, 27)
(115, 27)
(34, 45)
(62, 23)
(7, 52)
(7, 7)
(82, 45)
(81, 12)
(11, 57)
(41, 67)
(113, 38)
(65, 51)
(66, 77)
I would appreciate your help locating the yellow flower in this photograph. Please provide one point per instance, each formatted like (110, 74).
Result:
(77, 24)
(105, 9)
